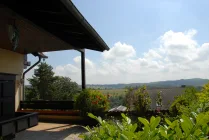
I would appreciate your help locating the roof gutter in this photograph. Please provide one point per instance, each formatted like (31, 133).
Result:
(71, 7)
(40, 56)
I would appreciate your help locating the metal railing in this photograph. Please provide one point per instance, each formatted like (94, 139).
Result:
(53, 105)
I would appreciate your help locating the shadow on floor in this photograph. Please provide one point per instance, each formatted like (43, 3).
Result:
(69, 133)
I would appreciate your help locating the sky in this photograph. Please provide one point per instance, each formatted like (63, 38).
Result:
(149, 41)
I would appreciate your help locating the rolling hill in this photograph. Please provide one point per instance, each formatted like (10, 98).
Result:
(197, 82)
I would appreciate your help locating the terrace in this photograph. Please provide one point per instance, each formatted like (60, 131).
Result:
(51, 131)
(33, 27)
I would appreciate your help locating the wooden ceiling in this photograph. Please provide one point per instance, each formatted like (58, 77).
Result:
(50, 25)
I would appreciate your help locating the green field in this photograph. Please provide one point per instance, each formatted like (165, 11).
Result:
(113, 91)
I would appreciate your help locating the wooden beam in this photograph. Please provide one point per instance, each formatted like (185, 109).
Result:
(83, 70)
(80, 50)
(51, 12)
(61, 23)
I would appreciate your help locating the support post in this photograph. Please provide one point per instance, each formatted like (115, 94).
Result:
(83, 69)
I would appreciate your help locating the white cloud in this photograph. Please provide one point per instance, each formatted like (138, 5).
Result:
(119, 51)
(151, 54)
(66, 70)
(179, 46)
(178, 56)
(89, 64)
(203, 52)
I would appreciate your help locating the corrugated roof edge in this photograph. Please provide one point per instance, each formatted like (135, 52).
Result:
(71, 7)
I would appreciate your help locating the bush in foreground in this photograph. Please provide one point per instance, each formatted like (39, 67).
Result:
(185, 128)
(91, 101)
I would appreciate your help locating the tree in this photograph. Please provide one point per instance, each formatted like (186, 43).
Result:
(31, 94)
(138, 99)
(46, 86)
(64, 88)
(159, 99)
(129, 98)
(41, 83)
(142, 100)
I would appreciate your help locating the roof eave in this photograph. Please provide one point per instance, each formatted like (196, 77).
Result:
(71, 7)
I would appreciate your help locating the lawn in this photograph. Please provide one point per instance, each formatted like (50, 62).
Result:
(113, 91)
(116, 96)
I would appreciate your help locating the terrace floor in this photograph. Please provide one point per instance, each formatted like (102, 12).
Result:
(51, 131)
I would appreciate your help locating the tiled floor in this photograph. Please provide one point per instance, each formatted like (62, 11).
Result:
(51, 131)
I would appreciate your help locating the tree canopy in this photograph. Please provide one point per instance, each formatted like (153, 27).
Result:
(46, 86)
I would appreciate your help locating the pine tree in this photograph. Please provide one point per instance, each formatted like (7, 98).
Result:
(41, 83)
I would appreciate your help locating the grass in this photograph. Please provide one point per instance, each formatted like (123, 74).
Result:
(113, 92)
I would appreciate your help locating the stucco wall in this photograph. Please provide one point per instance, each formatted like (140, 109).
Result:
(12, 63)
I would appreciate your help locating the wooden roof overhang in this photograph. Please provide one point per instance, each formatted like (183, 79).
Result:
(47, 25)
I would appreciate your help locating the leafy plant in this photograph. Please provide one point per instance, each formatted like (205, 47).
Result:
(159, 99)
(142, 100)
(203, 96)
(185, 103)
(111, 130)
(129, 98)
(194, 128)
(138, 99)
(185, 128)
(91, 101)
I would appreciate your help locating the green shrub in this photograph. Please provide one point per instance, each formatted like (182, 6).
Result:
(185, 103)
(138, 100)
(203, 95)
(159, 99)
(91, 101)
(185, 128)
(129, 98)
(203, 99)
(142, 100)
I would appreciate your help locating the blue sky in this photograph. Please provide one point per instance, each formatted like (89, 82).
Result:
(141, 26)
(141, 22)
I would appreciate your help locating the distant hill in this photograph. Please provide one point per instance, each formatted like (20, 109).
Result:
(197, 82)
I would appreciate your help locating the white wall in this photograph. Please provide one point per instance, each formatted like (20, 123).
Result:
(12, 63)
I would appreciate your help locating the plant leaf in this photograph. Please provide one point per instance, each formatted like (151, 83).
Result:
(154, 123)
(163, 132)
(144, 121)
(185, 127)
(123, 137)
(187, 122)
(152, 119)
(168, 122)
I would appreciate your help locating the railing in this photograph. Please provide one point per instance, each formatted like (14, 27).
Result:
(148, 113)
(53, 105)
(52, 111)
(63, 111)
